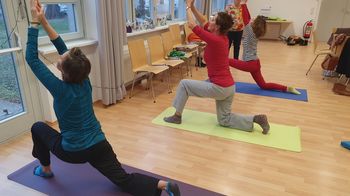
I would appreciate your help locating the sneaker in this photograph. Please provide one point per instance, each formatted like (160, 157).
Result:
(173, 119)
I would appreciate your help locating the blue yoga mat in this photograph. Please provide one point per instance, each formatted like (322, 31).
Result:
(254, 89)
(83, 179)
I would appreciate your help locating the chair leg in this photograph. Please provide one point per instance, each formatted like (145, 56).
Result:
(169, 85)
(132, 87)
(312, 65)
(340, 77)
(182, 76)
(188, 64)
(347, 82)
(148, 85)
(152, 89)
(187, 68)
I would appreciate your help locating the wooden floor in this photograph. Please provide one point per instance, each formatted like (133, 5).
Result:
(224, 166)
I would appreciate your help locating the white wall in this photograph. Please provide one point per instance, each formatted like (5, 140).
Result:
(298, 11)
(91, 32)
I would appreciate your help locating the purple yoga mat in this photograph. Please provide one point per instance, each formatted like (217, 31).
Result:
(83, 179)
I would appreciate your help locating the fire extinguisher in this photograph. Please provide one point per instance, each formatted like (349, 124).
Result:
(307, 29)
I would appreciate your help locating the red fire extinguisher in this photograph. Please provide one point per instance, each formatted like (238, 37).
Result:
(307, 29)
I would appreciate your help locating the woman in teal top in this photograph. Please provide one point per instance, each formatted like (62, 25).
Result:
(80, 139)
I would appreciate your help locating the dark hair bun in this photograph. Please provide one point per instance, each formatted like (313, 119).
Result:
(76, 51)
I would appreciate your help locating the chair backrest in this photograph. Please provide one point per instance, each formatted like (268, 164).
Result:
(167, 42)
(334, 30)
(156, 48)
(187, 30)
(137, 53)
(176, 33)
(315, 40)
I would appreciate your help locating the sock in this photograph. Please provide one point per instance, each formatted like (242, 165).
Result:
(38, 171)
(293, 90)
(261, 120)
(345, 144)
(172, 189)
(173, 119)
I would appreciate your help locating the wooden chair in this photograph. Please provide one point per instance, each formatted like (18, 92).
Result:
(187, 31)
(318, 51)
(140, 64)
(175, 31)
(176, 34)
(159, 57)
(168, 46)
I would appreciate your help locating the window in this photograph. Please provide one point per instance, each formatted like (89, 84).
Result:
(163, 9)
(143, 10)
(140, 13)
(65, 16)
(180, 9)
(217, 6)
(127, 11)
(11, 102)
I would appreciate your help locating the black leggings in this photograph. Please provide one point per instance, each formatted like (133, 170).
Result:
(235, 37)
(100, 156)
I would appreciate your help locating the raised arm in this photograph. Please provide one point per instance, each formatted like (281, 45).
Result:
(200, 17)
(53, 35)
(46, 77)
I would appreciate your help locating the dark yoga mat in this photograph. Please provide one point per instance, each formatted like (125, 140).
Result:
(254, 89)
(83, 179)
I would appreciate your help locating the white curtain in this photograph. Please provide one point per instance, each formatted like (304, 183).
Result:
(112, 37)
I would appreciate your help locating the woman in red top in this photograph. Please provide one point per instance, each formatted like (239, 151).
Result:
(220, 84)
(241, 17)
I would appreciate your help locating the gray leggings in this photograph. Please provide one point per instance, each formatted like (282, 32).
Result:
(223, 97)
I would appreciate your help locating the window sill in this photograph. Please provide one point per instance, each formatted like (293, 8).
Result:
(49, 49)
(159, 28)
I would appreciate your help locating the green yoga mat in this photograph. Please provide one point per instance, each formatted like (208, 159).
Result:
(280, 136)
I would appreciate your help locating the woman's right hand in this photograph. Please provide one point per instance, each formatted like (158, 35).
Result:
(190, 3)
(37, 11)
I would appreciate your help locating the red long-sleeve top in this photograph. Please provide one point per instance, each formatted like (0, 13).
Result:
(216, 56)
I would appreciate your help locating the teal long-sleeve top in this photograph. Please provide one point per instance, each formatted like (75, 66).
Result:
(72, 103)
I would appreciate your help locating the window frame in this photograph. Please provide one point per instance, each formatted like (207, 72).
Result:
(79, 21)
